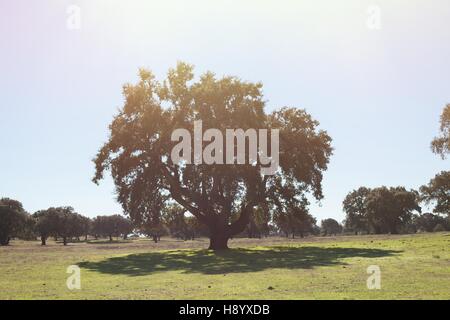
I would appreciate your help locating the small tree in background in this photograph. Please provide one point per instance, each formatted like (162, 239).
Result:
(78, 226)
(438, 192)
(27, 230)
(381, 210)
(388, 209)
(46, 223)
(330, 227)
(174, 219)
(427, 222)
(112, 226)
(124, 226)
(354, 206)
(86, 226)
(180, 224)
(68, 224)
(259, 223)
(294, 220)
(195, 228)
(12, 219)
(103, 226)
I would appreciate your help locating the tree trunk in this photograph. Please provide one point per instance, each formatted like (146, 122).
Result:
(218, 241)
(155, 238)
(110, 238)
(65, 241)
(43, 240)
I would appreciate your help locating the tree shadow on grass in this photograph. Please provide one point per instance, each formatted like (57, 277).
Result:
(109, 242)
(232, 261)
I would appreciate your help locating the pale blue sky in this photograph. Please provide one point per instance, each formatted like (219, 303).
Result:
(379, 93)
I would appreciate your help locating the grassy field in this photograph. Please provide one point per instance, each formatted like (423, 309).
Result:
(412, 267)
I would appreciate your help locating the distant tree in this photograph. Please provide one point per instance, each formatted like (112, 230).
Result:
(124, 226)
(174, 219)
(68, 224)
(381, 210)
(86, 226)
(79, 224)
(315, 229)
(330, 226)
(293, 218)
(441, 144)
(306, 225)
(259, 222)
(12, 219)
(390, 208)
(354, 206)
(195, 228)
(47, 222)
(61, 222)
(103, 227)
(222, 197)
(428, 221)
(154, 230)
(112, 226)
(438, 192)
(28, 229)
(180, 224)
(281, 222)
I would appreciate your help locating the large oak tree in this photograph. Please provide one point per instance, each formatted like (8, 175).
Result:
(222, 197)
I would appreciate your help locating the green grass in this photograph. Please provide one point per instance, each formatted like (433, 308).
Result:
(412, 267)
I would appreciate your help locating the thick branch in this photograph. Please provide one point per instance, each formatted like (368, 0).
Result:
(177, 192)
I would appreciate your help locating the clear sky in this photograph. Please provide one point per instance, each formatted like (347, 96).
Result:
(378, 92)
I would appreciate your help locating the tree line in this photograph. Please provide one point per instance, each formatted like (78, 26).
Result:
(58, 222)
(368, 211)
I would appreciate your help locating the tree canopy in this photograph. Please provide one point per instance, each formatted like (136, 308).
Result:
(223, 197)
(330, 226)
(46, 223)
(112, 226)
(380, 210)
(12, 219)
(354, 206)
